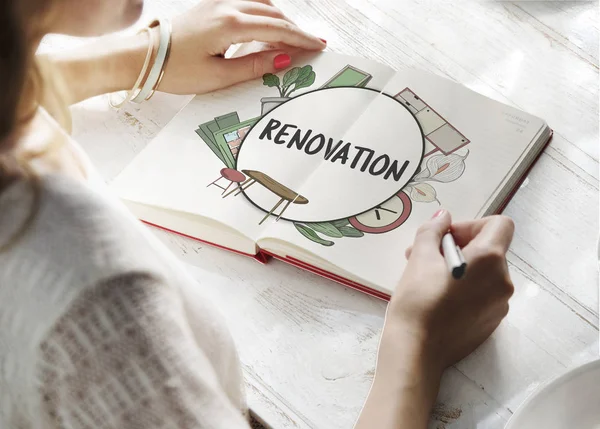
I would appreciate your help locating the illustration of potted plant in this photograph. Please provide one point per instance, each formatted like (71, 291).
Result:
(293, 80)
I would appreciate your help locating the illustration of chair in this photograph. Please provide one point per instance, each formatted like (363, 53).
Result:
(230, 174)
(272, 185)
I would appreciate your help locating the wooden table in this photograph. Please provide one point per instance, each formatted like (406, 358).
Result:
(308, 345)
(283, 192)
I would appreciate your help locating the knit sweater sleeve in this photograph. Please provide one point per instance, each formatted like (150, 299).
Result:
(122, 356)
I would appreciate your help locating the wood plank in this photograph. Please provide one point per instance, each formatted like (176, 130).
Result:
(268, 407)
(573, 24)
(482, 46)
(524, 352)
(314, 342)
(462, 403)
(554, 214)
(112, 138)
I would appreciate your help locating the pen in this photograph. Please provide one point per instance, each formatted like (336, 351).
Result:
(454, 257)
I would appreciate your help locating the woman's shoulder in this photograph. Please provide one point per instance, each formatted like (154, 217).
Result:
(83, 289)
(57, 227)
(65, 242)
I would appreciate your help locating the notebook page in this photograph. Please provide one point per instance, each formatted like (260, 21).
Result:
(472, 143)
(182, 169)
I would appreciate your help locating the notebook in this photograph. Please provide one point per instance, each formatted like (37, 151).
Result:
(331, 165)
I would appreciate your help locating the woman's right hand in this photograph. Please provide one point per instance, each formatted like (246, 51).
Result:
(433, 320)
(449, 318)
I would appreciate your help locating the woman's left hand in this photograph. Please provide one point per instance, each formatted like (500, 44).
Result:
(196, 64)
(202, 35)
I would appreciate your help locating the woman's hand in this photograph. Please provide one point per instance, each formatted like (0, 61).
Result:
(202, 35)
(433, 320)
(196, 65)
(449, 317)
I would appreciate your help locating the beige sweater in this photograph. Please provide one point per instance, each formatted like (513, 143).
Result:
(100, 327)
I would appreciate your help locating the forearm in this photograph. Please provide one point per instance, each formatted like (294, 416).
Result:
(405, 385)
(111, 63)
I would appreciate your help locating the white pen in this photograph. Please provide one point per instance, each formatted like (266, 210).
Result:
(454, 257)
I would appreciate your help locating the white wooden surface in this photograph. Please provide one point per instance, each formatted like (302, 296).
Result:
(308, 345)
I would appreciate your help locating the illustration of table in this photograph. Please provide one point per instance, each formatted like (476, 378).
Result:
(308, 346)
(283, 192)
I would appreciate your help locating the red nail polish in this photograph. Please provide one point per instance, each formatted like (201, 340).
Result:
(282, 61)
(438, 213)
(323, 40)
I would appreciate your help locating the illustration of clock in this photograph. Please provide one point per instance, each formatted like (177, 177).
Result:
(384, 217)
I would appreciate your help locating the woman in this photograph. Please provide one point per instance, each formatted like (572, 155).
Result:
(101, 327)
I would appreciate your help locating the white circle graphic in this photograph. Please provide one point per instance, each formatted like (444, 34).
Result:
(330, 154)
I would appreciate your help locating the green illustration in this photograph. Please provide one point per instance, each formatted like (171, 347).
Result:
(293, 80)
(336, 229)
(348, 76)
(224, 134)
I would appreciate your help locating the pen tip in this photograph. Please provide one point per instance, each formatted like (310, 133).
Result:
(458, 272)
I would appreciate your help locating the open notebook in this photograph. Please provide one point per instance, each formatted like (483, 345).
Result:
(331, 165)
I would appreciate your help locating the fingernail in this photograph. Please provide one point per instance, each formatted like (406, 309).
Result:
(323, 40)
(438, 213)
(282, 61)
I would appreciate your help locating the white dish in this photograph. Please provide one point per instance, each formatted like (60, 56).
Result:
(571, 401)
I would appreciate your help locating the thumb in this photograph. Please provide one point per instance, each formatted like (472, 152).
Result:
(255, 65)
(429, 235)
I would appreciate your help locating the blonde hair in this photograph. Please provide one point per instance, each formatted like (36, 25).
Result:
(26, 83)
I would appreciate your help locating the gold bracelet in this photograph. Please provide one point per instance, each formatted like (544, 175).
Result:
(142, 76)
(162, 71)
